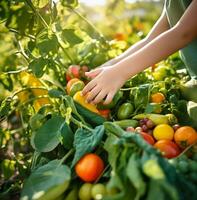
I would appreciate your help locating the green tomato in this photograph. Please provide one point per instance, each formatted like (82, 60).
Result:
(98, 191)
(85, 191)
(125, 111)
(77, 86)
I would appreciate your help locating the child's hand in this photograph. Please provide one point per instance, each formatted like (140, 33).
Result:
(106, 82)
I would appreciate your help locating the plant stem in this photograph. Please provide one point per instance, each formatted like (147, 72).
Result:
(71, 151)
(16, 71)
(26, 35)
(80, 124)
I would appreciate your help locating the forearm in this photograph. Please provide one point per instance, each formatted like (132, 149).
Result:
(158, 49)
(131, 50)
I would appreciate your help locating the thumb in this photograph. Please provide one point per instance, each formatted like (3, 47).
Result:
(93, 73)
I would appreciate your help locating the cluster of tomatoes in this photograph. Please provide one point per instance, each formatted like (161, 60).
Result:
(90, 168)
(170, 140)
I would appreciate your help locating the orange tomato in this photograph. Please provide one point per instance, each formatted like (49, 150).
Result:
(89, 167)
(168, 148)
(70, 83)
(185, 136)
(157, 97)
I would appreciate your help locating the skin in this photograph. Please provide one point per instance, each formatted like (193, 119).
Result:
(162, 40)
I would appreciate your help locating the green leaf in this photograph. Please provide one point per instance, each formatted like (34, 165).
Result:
(47, 137)
(90, 117)
(40, 3)
(71, 37)
(38, 66)
(5, 107)
(54, 93)
(67, 136)
(70, 3)
(47, 182)
(112, 149)
(47, 44)
(134, 174)
(85, 141)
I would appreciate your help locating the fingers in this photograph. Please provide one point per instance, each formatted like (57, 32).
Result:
(109, 98)
(88, 87)
(99, 97)
(93, 73)
(93, 94)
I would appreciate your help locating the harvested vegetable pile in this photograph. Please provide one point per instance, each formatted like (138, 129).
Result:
(56, 146)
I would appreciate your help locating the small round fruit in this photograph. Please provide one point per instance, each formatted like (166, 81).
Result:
(130, 129)
(89, 167)
(125, 111)
(150, 124)
(185, 136)
(144, 128)
(98, 191)
(157, 97)
(148, 138)
(85, 191)
(138, 129)
(163, 132)
(77, 86)
(70, 83)
(168, 148)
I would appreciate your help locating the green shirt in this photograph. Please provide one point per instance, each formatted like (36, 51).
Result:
(174, 11)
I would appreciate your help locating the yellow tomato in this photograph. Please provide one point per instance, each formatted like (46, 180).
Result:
(163, 132)
(79, 98)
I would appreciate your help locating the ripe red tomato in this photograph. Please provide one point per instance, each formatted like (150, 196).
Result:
(89, 167)
(105, 113)
(148, 138)
(168, 148)
(73, 72)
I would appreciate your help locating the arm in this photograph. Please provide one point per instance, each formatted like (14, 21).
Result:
(159, 48)
(160, 26)
(164, 45)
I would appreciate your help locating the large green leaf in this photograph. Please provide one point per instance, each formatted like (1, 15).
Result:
(71, 37)
(70, 3)
(90, 117)
(86, 141)
(67, 136)
(135, 176)
(47, 182)
(38, 66)
(47, 137)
